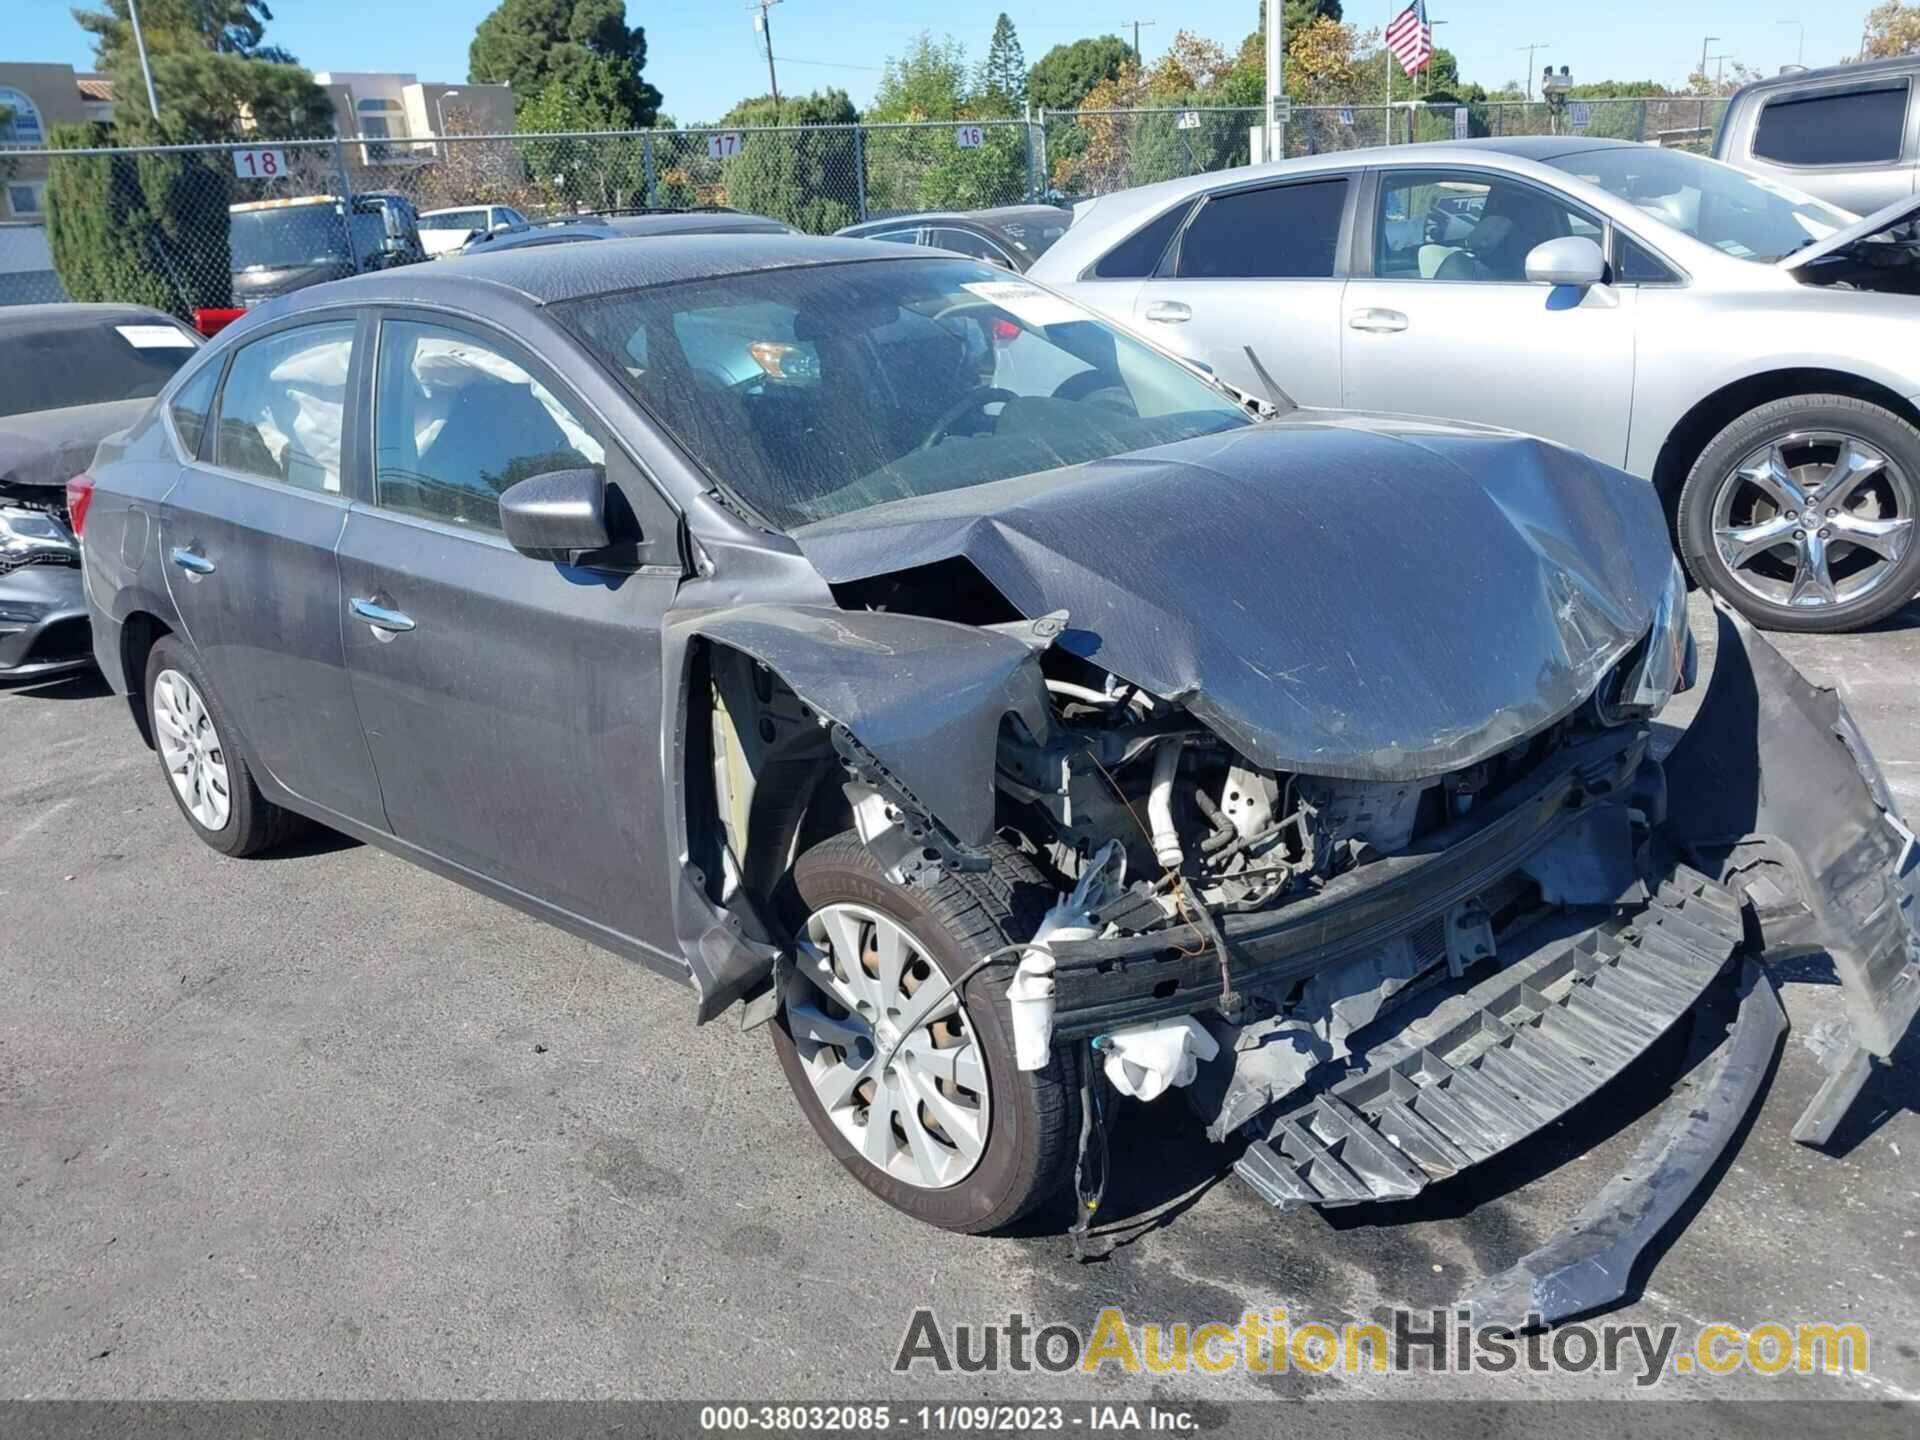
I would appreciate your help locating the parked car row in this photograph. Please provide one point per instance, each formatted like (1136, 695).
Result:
(956, 673)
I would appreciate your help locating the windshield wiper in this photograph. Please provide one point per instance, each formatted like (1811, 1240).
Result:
(1281, 402)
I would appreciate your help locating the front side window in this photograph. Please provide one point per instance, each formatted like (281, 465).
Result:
(817, 391)
(455, 220)
(456, 422)
(1433, 225)
(1857, 127)
(1736, 213)
(1287, 232)
(282, 408)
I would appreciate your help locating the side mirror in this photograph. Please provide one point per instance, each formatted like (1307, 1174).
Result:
(558, 516)
(1570, 260)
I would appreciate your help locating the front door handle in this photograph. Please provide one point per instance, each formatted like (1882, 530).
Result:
(191, 561)
(380, 617)
(1169, 312)
(1379, 322)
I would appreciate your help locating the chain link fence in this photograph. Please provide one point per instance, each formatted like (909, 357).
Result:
(212, 226)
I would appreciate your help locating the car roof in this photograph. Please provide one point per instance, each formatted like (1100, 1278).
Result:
(991, 218)
(694, 222)
(546, 275)
(1866, 70)
(39, 319)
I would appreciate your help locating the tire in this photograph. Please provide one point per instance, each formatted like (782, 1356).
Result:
(1805, 433)
(1031, 1119)
(248, 823)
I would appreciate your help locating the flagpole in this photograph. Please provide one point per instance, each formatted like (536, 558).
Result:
(1391, 12)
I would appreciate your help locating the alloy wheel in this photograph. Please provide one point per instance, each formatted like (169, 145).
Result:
(191, 750)
(887, 1048)
(1814, 519)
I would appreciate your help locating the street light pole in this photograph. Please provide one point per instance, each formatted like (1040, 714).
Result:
(1705, 41)
(1536, 45)
(146, 70)
(1275, 146)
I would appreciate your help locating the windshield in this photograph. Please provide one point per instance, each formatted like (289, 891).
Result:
(817, 391)
(286, 236)
(1734, 212)
(53, 366)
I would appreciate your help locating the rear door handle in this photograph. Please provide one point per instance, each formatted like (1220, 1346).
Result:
(1169, 312)
(192, 561)
(1380, 322)
(380, 617)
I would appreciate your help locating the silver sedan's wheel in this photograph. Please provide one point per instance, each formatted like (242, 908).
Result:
(888, 1049)
(1813, 520)
(190, 749)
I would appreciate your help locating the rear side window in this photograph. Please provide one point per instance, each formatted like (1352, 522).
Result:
(1858, 127)
(1288, 232)
(456, 422)
(1138, 256)
(965, 242)
(189, 408)
(281, 408)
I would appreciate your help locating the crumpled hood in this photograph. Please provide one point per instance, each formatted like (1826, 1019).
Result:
(1369, 597)
(50, 447)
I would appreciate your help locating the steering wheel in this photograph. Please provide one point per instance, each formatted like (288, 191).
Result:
(977, 398)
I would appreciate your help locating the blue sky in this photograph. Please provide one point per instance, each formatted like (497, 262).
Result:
(704, 56)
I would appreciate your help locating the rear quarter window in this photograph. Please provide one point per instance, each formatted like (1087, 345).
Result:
(1138, 256)
(1855, 127)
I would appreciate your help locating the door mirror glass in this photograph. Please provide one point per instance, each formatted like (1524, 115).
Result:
(1570, 260)
(560, 515)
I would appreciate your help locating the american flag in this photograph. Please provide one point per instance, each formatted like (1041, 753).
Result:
(1410, 38)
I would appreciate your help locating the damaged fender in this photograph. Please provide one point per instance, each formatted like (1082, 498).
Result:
(1773, 789)
(918, 705)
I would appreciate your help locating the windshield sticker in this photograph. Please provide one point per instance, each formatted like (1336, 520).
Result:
(155, 337)
(1029, 305)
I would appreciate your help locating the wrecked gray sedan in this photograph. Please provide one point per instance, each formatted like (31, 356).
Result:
(884, 645)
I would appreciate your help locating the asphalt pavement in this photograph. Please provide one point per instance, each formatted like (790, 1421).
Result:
(324, 1124)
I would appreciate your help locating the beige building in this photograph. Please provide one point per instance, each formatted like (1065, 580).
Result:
(397, 117)
(38, 98)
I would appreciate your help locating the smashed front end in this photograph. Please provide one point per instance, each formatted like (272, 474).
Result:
(1338, 738)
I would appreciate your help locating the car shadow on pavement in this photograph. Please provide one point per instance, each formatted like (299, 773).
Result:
(88, 684)
(313, 840)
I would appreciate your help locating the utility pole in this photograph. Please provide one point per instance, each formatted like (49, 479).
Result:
(146, 70)
(1138, 64)
(1276, 135)
(1536, 45)
(1705, 41)
(764, 25)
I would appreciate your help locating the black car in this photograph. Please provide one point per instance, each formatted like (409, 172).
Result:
(73, 374)
(890, 647)
(1010, 236)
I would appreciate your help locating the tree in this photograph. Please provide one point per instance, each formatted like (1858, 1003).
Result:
(136, 227)
(1003, 75)
(214, 78)
(1892, 29)
(534, 44)
(804, 177)
(928, 169)
(1064, 75)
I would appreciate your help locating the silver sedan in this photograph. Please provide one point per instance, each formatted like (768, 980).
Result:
(1747, 348)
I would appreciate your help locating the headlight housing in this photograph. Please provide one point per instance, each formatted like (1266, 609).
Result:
(28, 535)
(1659, 667)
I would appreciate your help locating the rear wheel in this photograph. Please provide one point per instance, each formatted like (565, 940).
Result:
(208, 778)
(914, 1087)
(1801, 513)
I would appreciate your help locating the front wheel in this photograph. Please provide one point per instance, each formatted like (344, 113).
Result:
(1801, 513)
(912, 1086)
